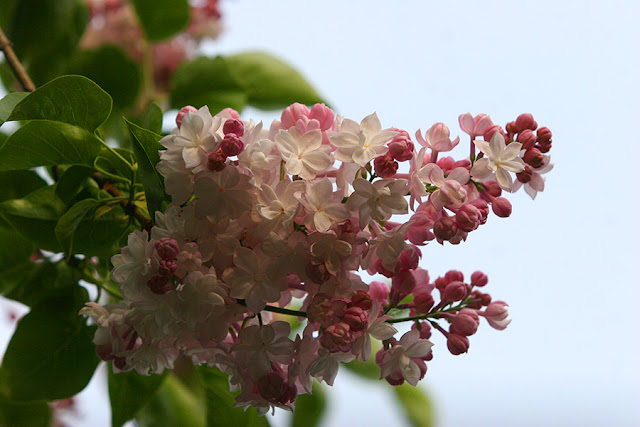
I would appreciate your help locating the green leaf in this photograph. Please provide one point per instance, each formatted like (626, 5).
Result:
(50, 356)
(8, 103)
(47, 143)
(44, 279)
(310, 408)
(162, 19)
(45, 33)
(72, 181)
(153, 118)
(145, 148)
(128, 392)
(220, 401)
(19, 414)
(35, 217)
(75, 100)
(417, 407)
(15, 263)
(118, 163)
(207, 81)
(6, 11)
(270, 83)
(68, 223)
(113, 70)
(173, 405)
(78, 232)
(17, 184)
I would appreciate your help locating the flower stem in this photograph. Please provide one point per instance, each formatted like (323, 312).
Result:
(14, 63)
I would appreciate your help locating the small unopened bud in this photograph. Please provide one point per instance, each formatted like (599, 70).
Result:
(356, 318)
(501, 207)
(445, 228)
(183, 112)
(385, 166)
(527, 138)
(468, 218)
(379, 291)
(167, 268)
(534, 157)
(525, 121)
(337, 337)
(167, 248)
(159, 285)
(526, 175)
(457, 344)
(493, 188)
(401, 147)
(478, 278)
(454, 276)
(465, 322)
(488, 134)
(233, 126)
(455, 291)
(363, 300)
(544, 134)
(216, 161)
(232, 145)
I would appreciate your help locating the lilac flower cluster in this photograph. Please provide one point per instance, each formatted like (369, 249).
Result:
(265, 222)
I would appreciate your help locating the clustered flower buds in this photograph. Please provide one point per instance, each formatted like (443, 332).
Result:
(284, 220)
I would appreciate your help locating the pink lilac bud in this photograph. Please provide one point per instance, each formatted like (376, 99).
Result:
(455, 291)
(409, 258)
(440, 283)
(534, 157)
(167, 248)
(544, 134)
(401, 148)
(216, 161)
(273, 388)
(492, 188)
(501, 207)
(468, 218)
(483, 209)
(453, 276)
(544, 146)
(167, 268)
(356, 318)
(465, 322)
(488, 134)
(159, 285)
(362, 300)
(379, 291)
(445, 228)
(183, 112)
(478, 278)
(525, 121)
(337, 337)
(511, 127)
(234, 126)
(231, 145)
(424, 329)
(527, 138)
(385, 166)
(324, 115)
(292, 114)
(457, 344)
(422, 302)
(526, 175)
(402, 285)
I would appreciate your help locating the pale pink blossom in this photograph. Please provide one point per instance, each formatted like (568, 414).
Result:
(500, 158)
(361, 143)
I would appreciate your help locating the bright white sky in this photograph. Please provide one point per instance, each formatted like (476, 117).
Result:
(565, 263)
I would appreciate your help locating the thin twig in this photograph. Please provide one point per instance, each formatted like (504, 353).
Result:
(15, 65)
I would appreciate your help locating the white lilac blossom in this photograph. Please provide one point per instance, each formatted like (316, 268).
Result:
(261, 218)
